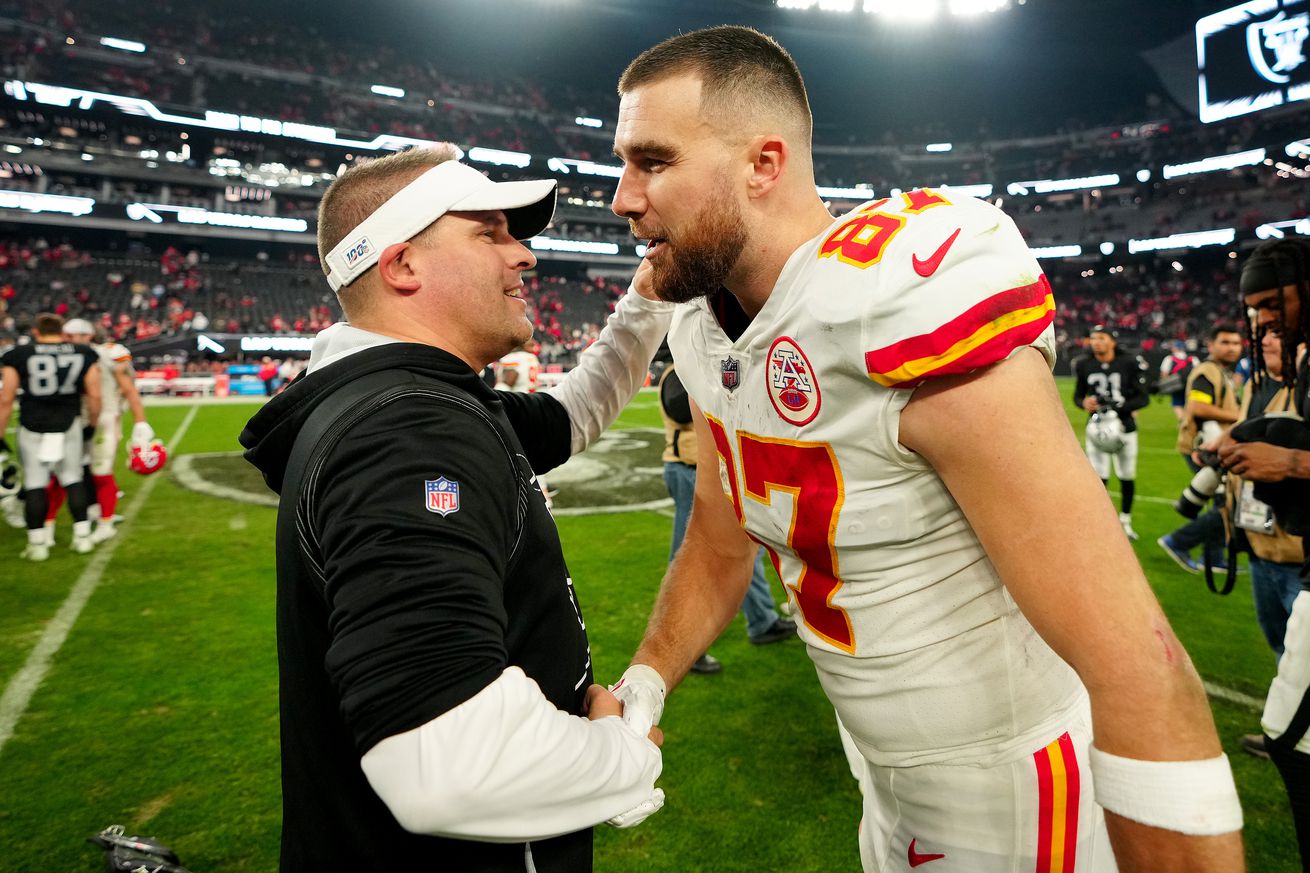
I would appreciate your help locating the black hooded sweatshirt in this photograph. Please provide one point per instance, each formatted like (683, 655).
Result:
(425, 596)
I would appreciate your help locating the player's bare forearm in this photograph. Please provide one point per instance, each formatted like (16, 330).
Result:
(1140, 848)
(1050, 529)
(1210, 412)
(701, 592)
(91, 384)
(708, 578)
(127, 386)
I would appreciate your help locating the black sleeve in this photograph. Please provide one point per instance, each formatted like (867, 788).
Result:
(1079, 383)
(1203, 384)
(1135, 392)
(542, 425)
(415, 597)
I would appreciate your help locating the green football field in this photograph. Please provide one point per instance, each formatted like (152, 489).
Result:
(141, 682)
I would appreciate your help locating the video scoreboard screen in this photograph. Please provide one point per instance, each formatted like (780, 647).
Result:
(1252, 56)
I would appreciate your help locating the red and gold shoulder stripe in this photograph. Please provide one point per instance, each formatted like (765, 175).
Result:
(984, 334)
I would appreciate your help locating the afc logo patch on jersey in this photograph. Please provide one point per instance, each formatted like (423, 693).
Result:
(442, 496)
(793, 386)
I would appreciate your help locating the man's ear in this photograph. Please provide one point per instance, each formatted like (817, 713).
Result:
(396, 268)
(768, 155)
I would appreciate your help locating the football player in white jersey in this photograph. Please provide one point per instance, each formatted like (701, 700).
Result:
(118, 385)
(526, 369)
(879, 391)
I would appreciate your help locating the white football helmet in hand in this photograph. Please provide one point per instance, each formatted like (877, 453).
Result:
(142, 434)
(641, 691)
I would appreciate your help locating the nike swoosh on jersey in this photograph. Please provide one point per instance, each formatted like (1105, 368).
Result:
(917, 859)
(927, 267)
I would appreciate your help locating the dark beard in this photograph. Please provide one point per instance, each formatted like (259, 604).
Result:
(698, 265)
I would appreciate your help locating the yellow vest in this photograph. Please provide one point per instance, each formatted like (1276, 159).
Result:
(1227, 400)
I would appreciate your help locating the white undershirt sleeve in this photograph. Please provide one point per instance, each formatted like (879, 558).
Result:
(507, 766)
(612, 368)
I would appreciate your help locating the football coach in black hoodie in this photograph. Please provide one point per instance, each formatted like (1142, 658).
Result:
(437, 705)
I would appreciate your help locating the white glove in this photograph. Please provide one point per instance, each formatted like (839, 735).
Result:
(641, 691)
(640, 812)
(142, 434)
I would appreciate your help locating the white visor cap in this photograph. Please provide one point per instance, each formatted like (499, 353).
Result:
(448, 187)
(78, 326)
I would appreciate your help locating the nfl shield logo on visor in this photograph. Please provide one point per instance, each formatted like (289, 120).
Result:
(442, 496)
(729, 372)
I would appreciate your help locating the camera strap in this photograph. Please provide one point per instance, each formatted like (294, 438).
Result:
(1230, 579)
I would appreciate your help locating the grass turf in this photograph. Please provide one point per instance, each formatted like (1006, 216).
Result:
(160, 710)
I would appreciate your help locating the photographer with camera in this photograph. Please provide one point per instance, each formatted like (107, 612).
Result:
(1211, 409)
(1112, 387)
(1273, 452)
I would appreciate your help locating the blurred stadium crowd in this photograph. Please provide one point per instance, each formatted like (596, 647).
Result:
(86, 115)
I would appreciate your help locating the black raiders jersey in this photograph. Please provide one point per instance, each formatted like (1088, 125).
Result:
(1121, 380)
(53, 379)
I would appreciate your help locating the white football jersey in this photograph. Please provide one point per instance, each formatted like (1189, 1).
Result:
(111, 356)
(528, 367)
(917, 643)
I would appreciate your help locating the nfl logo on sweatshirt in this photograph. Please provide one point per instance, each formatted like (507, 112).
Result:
(443, 495)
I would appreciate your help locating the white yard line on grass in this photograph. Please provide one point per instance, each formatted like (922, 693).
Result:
(19, 692)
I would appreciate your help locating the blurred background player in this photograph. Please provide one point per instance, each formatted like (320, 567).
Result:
(117, 384)
(1210, 409)
(1111, 386)
(53, 375)
(520, 370)
(1174, 370)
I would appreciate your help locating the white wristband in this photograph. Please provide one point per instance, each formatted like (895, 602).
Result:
(1197, 798)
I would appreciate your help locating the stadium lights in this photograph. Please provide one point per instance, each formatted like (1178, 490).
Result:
(125, 45)
(586, 247)
(588, 121)
(1042, 252)
(1199, 239)
(1298, 149)
(77, 98)
(1215, 164)
(499, 157)
(982, 192)
(205, 344)
(1275, 229)
(1107, 248)
(196, 215)
(564, 166)
(1143, 175)
(908, 9)
(1050, 186)
(28, 201)
(856, 193)
(388, 91)
(938, 147)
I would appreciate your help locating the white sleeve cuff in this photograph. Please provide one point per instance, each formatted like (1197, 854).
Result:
(613, 368)
(507, 766)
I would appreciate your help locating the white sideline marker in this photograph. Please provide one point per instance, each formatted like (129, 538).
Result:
(18, 694)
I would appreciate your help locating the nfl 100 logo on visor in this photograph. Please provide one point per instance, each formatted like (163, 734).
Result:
(357, 251)
(442, 496)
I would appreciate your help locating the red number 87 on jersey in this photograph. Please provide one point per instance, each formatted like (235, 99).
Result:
(809, 472)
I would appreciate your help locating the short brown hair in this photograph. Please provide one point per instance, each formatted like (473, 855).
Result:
(48, 324)
(737, 66)
(361, 190)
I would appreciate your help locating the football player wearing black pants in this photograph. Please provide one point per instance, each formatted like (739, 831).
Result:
(53, 375)
(1275, 287)
(1106, 381)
